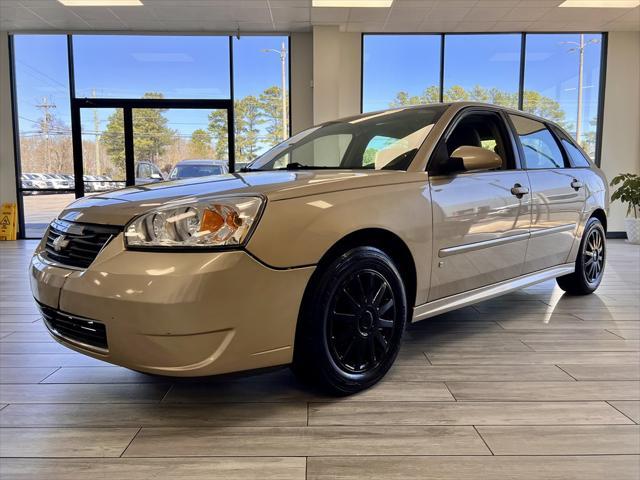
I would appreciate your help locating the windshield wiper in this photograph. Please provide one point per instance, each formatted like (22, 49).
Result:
(301, 166)
(249, 169)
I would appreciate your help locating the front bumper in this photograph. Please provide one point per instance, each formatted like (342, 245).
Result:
(181, 313)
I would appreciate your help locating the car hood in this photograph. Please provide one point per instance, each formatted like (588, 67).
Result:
(118, 207)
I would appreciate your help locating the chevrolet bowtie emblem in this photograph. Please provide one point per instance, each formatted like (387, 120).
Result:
(60, 243)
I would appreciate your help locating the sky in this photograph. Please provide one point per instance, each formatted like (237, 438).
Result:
(412, 63)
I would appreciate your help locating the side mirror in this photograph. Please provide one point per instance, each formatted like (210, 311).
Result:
(156, 176)
(476, 158)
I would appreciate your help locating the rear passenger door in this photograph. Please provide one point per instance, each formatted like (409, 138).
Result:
(557, 194)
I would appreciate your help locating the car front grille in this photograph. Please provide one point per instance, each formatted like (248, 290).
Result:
(77, 244)
(81, 331)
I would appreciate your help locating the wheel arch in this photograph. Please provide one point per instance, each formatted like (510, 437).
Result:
(600, 214)
(389, 243)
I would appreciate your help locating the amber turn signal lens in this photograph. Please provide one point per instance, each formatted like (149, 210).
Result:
(211, 221)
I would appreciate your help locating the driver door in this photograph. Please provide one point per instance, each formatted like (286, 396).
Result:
(480, 228)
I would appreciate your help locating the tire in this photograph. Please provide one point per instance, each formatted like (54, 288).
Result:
(351, 324)
(590, 261)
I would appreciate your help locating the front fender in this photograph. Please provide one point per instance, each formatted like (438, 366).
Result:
(299, 231)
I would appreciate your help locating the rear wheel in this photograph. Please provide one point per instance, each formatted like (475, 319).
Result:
(352, 322)
(590, 261)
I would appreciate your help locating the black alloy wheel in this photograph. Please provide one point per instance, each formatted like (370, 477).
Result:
(361, 321)
(590, 261)
(593, 256)
(351, 322)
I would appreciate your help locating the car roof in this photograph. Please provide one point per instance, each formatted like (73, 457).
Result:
(453, 105)
(201, 161)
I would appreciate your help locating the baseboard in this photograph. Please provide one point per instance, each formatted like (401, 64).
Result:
(622, 235)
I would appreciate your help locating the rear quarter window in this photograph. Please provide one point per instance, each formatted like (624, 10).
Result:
(577, 156)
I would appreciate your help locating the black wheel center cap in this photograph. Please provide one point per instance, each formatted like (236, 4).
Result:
(366, 322)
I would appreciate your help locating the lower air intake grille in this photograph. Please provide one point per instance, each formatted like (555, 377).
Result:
(77, 330)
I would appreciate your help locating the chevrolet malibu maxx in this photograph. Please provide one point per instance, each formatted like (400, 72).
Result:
(321, 251)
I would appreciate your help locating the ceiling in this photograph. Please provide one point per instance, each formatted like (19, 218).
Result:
(298, 15)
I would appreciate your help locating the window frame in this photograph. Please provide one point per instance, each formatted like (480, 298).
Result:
(453, 123)
(597, 159)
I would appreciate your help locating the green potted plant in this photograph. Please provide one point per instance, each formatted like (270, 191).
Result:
(629, 192)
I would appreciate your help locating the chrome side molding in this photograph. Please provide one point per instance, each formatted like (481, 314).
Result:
(548, 231)
(464, 299)
(472, 247)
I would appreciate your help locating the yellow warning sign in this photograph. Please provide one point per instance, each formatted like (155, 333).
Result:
(8, 220)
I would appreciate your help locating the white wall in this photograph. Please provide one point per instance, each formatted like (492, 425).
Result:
(7, 170)
(621, 129)
(336, 73)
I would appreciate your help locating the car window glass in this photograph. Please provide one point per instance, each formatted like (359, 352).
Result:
(382, 150)
(145, 171)
(577, 157)
(484, 131)
(320, 152)
(540, 147)
(392, 138)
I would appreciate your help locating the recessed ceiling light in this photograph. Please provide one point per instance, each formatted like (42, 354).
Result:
(101, 3)
(600, 3)
(352, 3)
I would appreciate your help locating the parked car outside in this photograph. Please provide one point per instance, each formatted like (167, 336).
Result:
(41, 181)
(91, 183)
(198, 168)
(147, 172)
(327, 246)
(27, 183)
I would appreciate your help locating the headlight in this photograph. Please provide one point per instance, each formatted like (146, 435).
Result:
(214, 222)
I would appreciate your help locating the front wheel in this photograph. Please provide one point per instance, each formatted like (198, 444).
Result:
(590, 261)
(352, 322)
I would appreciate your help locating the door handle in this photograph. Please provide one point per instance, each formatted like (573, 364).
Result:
(576, 184)
(519, 191)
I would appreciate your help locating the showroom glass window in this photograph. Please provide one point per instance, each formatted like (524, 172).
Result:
(44, 128)
(562, 82)
(400, 70)
(482, 68)
(261, 101)
(132, 66)
(561, 74)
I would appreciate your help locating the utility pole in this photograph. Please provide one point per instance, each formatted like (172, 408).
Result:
(580, 76)
(283, 61)
(580, 47)
(96, 129)
(45, 106)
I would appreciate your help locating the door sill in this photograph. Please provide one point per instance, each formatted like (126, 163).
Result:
(464, 299)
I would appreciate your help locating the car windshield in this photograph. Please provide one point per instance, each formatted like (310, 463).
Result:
(188, 171)
(380, 141)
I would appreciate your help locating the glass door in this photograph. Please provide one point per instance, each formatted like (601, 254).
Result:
(175, 143)
(120, 142)
(103, 149)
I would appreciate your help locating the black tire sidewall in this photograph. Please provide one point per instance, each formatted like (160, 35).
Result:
(592, 224)
(357, 259)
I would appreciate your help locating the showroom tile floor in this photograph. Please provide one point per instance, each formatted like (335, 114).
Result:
(532, 385)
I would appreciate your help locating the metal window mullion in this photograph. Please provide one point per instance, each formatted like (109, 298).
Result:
(523, 47)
